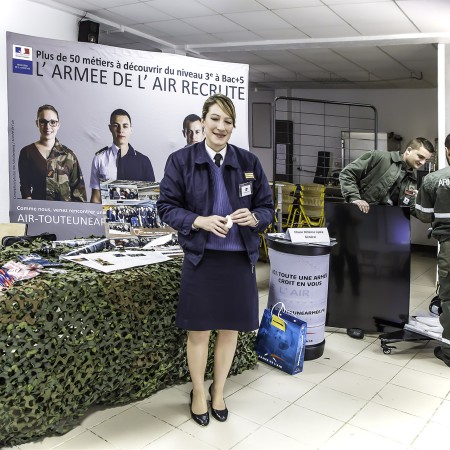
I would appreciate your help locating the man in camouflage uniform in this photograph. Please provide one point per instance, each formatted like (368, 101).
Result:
(433, 206)
(385, 178)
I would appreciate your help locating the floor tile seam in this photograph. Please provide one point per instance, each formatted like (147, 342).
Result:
(421, 392)
(78, 435)
(440, 424)
(163, 420)
(269, 419)
(336, 369)
(389, 438)
(197, 436)
(387, 381)
(368, 400)
(160, 437)
(59, 436)
(424, 372)
(340, 420)
(278, 398)
(418, 434)
(246, 437)
(264, 392)
(347, 423)
(406, 412)
(296, 439)
(146, 412)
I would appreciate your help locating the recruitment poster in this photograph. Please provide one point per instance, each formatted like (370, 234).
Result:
(85, 83)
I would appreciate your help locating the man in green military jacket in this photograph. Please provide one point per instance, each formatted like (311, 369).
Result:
(385, 178)
(433, 206)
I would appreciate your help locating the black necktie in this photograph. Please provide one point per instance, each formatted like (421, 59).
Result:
(217, 158)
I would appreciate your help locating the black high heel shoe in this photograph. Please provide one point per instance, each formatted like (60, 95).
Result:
(219, 414)
(201, 419)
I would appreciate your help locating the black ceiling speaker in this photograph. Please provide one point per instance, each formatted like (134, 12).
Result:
(88, 31)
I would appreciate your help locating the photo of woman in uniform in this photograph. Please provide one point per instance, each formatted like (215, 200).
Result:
(48, 170)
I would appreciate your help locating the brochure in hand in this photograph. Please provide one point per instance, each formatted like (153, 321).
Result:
(34, 258)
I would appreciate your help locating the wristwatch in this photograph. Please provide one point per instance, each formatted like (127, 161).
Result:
(255, 218)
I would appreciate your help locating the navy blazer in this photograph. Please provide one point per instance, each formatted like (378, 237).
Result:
(186, 192)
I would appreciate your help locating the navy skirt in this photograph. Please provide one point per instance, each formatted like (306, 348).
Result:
(220, 293)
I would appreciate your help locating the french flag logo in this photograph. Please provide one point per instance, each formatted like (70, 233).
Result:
(22, 52)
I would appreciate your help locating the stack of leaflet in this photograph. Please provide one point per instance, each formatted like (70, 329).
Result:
(426, 325)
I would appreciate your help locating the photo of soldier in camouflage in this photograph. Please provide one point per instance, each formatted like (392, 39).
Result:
(48, 170)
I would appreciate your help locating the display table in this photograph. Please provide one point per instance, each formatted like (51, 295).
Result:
(70, 341)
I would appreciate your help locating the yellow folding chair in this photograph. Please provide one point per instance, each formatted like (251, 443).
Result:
(312, 205)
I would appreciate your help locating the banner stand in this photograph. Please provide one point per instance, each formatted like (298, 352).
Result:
(299, 279)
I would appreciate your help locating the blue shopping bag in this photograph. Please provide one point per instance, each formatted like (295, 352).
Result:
(281, 340)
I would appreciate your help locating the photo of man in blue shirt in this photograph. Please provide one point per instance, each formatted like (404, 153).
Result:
(120, 161)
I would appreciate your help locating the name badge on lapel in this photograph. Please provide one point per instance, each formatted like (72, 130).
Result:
(245, 189)
(249, 176)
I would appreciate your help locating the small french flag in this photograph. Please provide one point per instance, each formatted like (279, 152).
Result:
(22, 52)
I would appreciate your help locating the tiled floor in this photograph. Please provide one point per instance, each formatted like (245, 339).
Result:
(352, 397)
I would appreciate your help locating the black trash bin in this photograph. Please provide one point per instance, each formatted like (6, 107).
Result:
(299, 279)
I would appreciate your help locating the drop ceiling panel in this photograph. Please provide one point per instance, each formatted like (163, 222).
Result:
(355, 2)
(82, 5)
(369, 58)
(107, 3)
(279, 4)
(259, 19)
(148, 29)
(371, 13)
(174, 27)
(426, 53)
(239, 57)
(240, 36)
(139, 13)
(284, 33)
(434, 17)
(336, 31)
(195, 39)
(181, 9)
(325, 58)
(277, 57)
(214, 24)
(386, 28)
(113, 17)
(310, 17)
(355, 75)
(232, 6)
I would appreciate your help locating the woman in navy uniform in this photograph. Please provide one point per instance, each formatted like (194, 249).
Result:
(217, 197)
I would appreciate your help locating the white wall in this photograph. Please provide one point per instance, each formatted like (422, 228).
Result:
(265, 155)
(25, 17)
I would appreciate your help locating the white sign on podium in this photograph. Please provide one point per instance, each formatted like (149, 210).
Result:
(308, 236)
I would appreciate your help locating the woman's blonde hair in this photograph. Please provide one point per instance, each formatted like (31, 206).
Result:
(225, 104)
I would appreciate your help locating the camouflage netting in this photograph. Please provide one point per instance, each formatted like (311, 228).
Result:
(69, 341)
